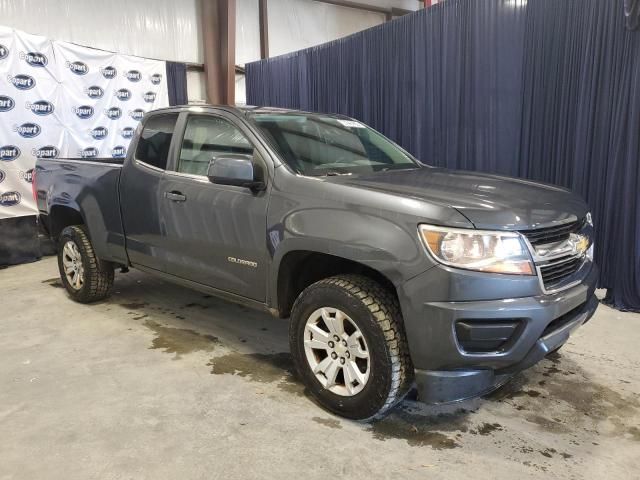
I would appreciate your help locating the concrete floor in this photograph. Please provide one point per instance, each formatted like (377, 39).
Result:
(162, 382)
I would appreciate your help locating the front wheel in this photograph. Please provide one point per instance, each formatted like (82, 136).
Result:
(349, 346)
(86, 277)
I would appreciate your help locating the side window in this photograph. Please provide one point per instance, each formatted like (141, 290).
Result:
(155, 139)
(207, 137)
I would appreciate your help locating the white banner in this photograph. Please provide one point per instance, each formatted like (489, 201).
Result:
(58, 99)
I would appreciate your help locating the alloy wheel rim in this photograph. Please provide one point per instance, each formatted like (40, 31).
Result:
(72, 263)
(337, 352)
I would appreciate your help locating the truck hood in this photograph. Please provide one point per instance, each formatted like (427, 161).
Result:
(488, 201)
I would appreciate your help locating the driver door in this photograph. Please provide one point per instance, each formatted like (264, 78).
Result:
(215, 234)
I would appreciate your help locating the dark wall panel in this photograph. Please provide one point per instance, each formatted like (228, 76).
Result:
(542, 89)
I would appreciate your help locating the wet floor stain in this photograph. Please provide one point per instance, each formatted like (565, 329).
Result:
(196, 305)
(422, 431)
(548, 424)
(557, 397)
(328, 422)
(551, 452)
(634, 433)
(488, 428)
(134, 305)
(260, 367)
(580, 403)
(580, 396)
(54, 282)
(180, 341)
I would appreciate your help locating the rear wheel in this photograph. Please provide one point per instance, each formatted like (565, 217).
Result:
(86, 277)
(349, 347)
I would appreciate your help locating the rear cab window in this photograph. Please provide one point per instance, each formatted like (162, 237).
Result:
(155, 140)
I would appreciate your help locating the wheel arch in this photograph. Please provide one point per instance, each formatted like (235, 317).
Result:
(62, 216)
(297, 269)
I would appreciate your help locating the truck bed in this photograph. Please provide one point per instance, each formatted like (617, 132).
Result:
(89, 186)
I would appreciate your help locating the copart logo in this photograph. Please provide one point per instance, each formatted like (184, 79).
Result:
(41, 107)
(149, 97)
(6, 103)
(137, 114)
(156, 78)
(99, 133)
(46, 152)
(133, 76)
(2, 176)
(84, 111)
(113, 113)
(27, 176)
(94, 92)
(123, 94)
(9, 199)
(35, 59)
(28, 130)
(89, 152)
(127, 132)
(8, 153)
(4, 52)
(109, 72)
(22, 82)
(119, 152)
(79, 68)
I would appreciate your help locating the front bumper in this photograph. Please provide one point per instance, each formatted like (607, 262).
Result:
(445, 370)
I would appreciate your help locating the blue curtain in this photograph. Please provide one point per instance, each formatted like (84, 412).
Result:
(177, 83)
(542, 89)
(632, 12)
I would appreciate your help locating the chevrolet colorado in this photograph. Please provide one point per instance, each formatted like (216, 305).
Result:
(393, 273)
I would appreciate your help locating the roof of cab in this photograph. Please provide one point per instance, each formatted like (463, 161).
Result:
(237, 109)
(242, 109)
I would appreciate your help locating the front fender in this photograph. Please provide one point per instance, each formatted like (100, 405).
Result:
(375, 229)
(390, 248)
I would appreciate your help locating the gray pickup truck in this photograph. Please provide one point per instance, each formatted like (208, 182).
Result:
(392, 272)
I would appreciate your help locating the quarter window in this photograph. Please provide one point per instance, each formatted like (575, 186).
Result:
(155, 139)
(205, 138)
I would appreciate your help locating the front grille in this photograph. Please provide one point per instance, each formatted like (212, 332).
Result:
(546, 235)
(554, 273)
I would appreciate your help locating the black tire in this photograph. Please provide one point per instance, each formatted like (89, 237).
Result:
(98, 275)
(376, 313)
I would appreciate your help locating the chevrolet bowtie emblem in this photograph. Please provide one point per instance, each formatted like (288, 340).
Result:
(580, 243)
(576, 244)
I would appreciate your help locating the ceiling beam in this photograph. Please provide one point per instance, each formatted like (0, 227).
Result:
(389, 13)
(218, 20)
(264, 28)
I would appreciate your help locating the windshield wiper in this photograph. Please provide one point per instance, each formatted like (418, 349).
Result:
(333, 173)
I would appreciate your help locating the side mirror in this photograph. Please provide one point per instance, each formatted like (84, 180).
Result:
(235, 169)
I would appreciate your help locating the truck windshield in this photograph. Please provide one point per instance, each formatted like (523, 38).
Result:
(318, 145)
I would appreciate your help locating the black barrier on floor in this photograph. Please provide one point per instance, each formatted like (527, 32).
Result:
(19, 242)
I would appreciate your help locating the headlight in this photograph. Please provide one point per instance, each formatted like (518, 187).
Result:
(497, 252)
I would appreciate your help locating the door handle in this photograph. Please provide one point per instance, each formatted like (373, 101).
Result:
(175, 196)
